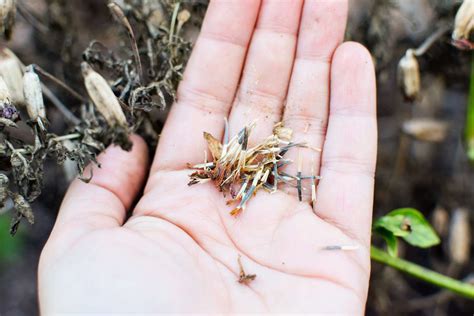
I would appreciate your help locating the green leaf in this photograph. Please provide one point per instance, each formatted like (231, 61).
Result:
(390, 239)
(410, 225)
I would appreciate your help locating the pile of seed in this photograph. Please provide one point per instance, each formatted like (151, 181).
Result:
(242, 171)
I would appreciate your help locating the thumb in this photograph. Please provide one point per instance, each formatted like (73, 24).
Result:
(104, 201)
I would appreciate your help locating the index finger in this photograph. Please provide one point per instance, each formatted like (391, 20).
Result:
(210, 81)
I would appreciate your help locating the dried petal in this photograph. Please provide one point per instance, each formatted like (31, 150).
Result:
(33, 95)
(214, 145)
(409, 75)
(102, 96)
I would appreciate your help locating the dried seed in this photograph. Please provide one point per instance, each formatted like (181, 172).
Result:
(103, 96)
(409, 75)
(244, 277)
(7, 17)
(237, 168)
(33, 95)
(298, 176)
(341, 247)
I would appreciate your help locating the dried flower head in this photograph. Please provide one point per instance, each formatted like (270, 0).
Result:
(103, 96)
(33, 95)
(409, 75)
(7, 17)
(242, 171)
(463, 25)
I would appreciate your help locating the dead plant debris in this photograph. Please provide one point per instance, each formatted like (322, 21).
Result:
(121, 98)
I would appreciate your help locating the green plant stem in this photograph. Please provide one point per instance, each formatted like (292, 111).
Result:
(469, 131)
(461, 288)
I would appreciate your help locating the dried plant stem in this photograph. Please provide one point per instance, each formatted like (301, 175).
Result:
(68, 115)
(120, 16)
(26, 13)
(173, 21)
(469, 130)
(66, 137)
(435, 278)
(59, 83)
(431, 40)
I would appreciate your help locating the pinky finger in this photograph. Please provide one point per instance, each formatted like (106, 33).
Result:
(345, 193)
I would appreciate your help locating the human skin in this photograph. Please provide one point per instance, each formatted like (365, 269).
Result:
(254, 60)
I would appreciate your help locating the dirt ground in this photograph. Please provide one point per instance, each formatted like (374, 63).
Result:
(410, 173)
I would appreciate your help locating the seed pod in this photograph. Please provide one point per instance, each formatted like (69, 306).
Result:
(459, 236)
(409, 75)
(464, 23)
(102, 96)
(426, 129)
(11, 71)
(33, 95)
(7, 17)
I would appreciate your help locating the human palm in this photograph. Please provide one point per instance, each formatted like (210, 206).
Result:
(179, 251)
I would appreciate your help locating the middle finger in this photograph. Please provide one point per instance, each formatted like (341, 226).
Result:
(267, 70)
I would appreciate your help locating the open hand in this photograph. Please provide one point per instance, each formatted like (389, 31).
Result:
(267, 61)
